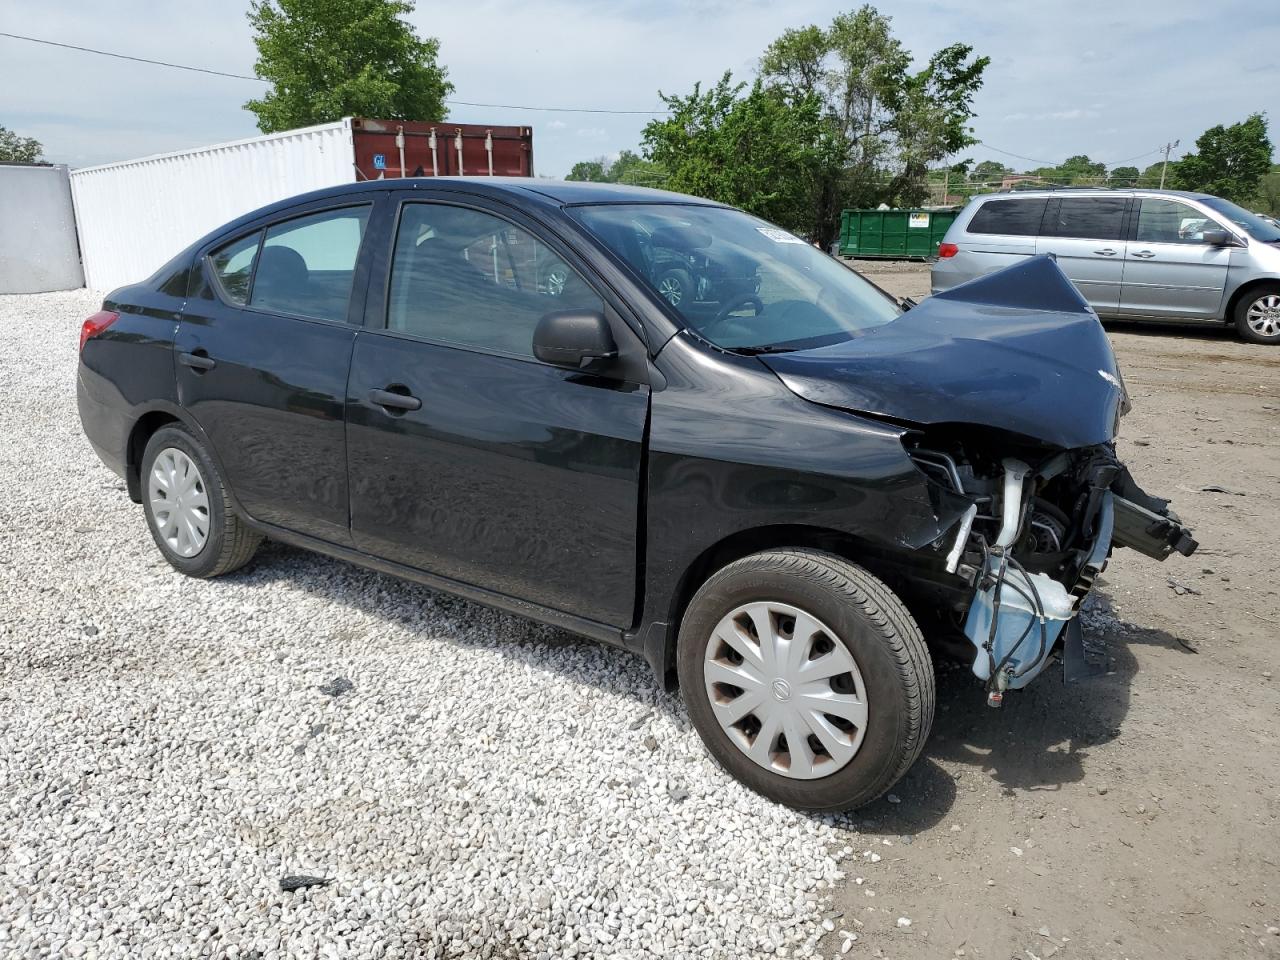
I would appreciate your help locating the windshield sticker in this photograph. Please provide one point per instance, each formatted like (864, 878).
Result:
(779, 236)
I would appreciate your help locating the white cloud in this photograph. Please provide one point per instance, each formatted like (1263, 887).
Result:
(1049, 92)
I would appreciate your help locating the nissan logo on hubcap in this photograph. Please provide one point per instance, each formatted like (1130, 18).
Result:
(781, 689)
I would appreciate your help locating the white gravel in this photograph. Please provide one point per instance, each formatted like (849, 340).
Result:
(167, 756)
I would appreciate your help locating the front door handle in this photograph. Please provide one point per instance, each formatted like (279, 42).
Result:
(1105, 252)
(198, 361)
(394, 401)
(1144, 254)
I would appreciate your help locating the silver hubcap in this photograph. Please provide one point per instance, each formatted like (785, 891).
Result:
(1264, 316)
(555, 283)
(671, 291)
(785, 690)
(179, 502)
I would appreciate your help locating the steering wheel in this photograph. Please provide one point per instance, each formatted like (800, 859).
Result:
(751, 300)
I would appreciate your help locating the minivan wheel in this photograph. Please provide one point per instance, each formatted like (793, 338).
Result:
(1258, 316)
(675, 286)
(190, 516)
(807, 678)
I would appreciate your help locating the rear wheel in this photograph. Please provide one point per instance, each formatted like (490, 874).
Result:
(1258, 315)
(807, 678)
(188, 511)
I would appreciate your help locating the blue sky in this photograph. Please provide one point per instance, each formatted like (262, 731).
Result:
(1112, 79)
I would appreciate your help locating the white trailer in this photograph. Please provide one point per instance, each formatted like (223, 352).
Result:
(134, 215)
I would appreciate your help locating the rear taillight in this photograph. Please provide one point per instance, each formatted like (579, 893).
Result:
(96, 324)
(947, 250)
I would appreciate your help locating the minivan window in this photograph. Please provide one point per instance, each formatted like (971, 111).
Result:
(1015, 218)
(472, 279)
(307, 265)
(1251, 223)
(1168, 221)
(1087, 218)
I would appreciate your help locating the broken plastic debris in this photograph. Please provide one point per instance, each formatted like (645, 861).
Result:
(291, 883)
(337, 687)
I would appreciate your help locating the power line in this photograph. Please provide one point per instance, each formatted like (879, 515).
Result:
(122, 56)
(242, 76)
(1050, 163)
(1007, 153)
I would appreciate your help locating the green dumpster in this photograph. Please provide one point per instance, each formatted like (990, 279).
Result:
(902, 234)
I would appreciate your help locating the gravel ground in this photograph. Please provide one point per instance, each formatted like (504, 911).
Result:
(488, 788)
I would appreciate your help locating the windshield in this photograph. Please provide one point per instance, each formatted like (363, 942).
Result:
(737, 281)
(1250, 223)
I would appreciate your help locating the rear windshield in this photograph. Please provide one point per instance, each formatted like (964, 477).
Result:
(737, 281)
(1014, 218)
(1250, 223)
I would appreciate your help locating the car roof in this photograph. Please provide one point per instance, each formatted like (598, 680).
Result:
(1095, 192)
(538, 191)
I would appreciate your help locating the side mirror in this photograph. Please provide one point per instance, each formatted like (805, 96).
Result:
(577, 339)
(1217, 238)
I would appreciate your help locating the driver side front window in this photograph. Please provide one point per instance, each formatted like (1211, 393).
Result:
(470, 279)
(1168, 221)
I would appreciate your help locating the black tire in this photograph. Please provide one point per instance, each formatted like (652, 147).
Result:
(1243, 329)
(871, 622)
(230, 544)
(675, 286)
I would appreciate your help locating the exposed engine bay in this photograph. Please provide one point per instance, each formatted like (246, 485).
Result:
(1009, 398)
(1040, 529)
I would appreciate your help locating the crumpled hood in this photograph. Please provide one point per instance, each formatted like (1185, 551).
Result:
(1018, 349)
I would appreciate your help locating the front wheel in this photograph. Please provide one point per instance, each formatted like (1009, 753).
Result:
(187, 507)
(807, 678)
(1258, 316)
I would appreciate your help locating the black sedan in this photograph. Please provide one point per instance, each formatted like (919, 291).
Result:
(766, 486)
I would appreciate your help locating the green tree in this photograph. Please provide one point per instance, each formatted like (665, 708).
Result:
(329, 59)
(633, 169)
(890, 124)
(989, 171)
(628, 167)
(1080, 168)
(596, 171)
(1151, 175)
(1229, 161)
(750, 147)
(16, 149)
(1269, 192)
(1125, 177)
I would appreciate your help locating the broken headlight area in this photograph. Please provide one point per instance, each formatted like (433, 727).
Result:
(1041, 525)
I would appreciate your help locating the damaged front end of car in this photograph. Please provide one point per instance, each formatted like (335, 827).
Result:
(1009, 397)
(1040, 529)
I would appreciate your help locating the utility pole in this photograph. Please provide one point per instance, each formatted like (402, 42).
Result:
(1168, 149)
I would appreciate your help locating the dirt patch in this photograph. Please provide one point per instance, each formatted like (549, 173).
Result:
(1135, 815)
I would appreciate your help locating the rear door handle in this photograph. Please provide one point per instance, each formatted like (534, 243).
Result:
(394, 401)
(1105, 252)
(198, 361)
(1144, 254)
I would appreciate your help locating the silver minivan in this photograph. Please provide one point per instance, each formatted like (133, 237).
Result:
(1133, 254)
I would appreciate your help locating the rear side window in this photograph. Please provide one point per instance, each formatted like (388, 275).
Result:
(233, 266)
(468, 278)
(307, 265)
(1088, 218)
(1014, 218)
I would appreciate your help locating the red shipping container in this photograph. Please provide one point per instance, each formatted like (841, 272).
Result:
(409, 148)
